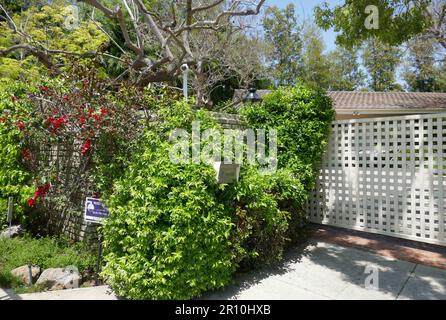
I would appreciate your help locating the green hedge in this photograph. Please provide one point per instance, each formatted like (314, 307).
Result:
(270, 207)
(302, 117)
(174, 233)
(168, 237)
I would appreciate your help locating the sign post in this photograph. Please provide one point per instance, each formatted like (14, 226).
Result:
(98, 261)
(9, 218)
(96, 212)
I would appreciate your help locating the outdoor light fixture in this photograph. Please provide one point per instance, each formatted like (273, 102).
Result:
(227, 173)
(185, 71)
(252, 96)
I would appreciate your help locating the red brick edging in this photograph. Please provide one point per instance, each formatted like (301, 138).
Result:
(401, 249)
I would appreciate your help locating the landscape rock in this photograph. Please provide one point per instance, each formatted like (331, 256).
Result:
(23, 273)
(15, 231)
(59, 278)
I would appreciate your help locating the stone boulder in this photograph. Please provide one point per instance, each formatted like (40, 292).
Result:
(15, 231)
(60, 278)
(23, 273)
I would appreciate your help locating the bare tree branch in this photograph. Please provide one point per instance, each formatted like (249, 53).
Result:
(207, 7)
(116, 13)
(159, 42)
(40, 54)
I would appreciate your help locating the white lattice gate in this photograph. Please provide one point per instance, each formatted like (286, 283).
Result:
(386, 176)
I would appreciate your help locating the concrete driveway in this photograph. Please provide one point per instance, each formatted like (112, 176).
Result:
(321, 270)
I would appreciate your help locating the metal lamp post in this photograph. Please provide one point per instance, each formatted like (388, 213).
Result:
(185, 71)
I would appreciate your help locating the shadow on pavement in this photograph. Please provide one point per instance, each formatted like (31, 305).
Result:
(332, 271)
(9, 294)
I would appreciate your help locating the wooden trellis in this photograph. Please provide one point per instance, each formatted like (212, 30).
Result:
(385, 176)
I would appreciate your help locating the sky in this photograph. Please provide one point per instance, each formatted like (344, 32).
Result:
(304, 9)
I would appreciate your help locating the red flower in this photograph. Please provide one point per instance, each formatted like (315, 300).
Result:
(86, 147)
(90, 112)
(44, 88)
(26, 154)
(42, 191)
(20, 125)
(104, 111)
(82, 120)
(39, 192)
(66, 98)
(31, 202)
(57, 123)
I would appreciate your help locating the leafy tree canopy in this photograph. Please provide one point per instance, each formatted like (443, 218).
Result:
(381, 61)
(398, 20)
(43, 30)
(283, 33)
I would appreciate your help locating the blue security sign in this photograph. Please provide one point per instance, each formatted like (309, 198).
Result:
(95, 210)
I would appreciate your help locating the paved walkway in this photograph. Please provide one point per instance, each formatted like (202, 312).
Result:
(93, 293)
(321, 270)
(395, 248)
(316, 270)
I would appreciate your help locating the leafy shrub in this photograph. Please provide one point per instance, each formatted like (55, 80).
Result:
(302, 119)
(15, 180)
(43, 252)
(174, 233)
(167, 236)
(261, 220)
(268, 208)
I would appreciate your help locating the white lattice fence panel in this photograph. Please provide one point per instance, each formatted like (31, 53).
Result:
(386, 176)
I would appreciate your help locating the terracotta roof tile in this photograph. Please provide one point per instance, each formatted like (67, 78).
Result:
(388, 100)
(357, 100)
